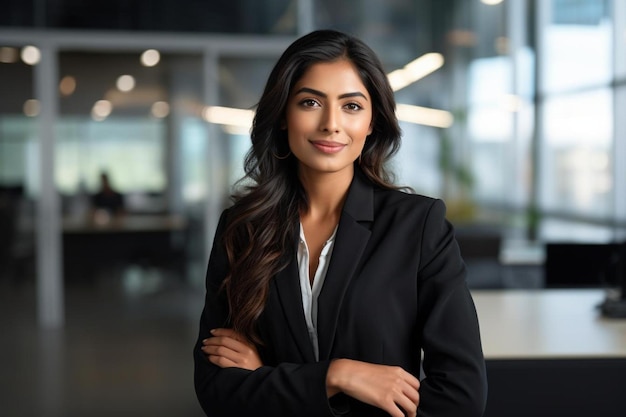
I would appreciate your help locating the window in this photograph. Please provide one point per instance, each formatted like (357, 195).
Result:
(577, 110)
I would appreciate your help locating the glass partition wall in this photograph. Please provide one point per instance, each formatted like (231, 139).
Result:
(578, 97)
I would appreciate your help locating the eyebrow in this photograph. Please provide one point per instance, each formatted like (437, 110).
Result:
(324, 95)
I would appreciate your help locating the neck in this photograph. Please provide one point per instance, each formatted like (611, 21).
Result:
(326, 193)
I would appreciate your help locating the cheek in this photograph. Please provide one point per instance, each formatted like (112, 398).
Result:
(361, 126)
(360, 129)
(299, 123)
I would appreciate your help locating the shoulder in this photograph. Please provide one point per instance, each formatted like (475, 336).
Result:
(417, 221)
(403, 202)
(369, 202)
(406, 213)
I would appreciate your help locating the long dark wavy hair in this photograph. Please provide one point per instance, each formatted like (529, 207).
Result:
(264, 221)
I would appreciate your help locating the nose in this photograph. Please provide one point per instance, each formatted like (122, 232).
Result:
(330, 120)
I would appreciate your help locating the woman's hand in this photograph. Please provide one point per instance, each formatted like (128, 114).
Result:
(228, 349)
(389, 388)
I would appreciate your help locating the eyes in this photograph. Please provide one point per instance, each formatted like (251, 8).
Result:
(313, 103)
(353, 106)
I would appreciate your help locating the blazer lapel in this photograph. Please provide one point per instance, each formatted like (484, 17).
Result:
(288, 289)
(350, 242)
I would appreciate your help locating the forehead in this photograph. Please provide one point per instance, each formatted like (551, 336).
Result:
(336, 76)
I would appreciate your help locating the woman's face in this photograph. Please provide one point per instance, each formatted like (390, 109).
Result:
(328, 117)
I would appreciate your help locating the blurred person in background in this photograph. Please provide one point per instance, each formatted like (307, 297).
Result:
(106, 203)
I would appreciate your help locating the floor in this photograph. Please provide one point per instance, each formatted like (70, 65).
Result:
(125, 349)
(126, 346)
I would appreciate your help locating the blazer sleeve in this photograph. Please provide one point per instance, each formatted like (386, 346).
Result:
(455, 382)
(288, 389)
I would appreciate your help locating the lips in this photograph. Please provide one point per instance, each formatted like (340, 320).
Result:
(328, 147)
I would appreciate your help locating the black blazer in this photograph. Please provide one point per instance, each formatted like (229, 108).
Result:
(395, 287)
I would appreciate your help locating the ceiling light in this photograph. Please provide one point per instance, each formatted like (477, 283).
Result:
(67, 86)
(236, 130)
(31, 55)
(101, 110)
(491, 2)
(424, 116)
(31, 107)
(228, 116)
(125, 83)
(150, 58)
(8, 55)
(415, 70)
(160, 109)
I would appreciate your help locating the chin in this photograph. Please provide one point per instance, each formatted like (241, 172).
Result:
(325, 168)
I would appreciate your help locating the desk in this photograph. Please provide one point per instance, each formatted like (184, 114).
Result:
(125, 224)
(550, 353)
(91, 246)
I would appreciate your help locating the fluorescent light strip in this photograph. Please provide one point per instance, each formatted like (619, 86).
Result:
(228, 116)
(424, 116)
(415, 70)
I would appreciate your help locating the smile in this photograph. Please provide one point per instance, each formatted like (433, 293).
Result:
(328, 147)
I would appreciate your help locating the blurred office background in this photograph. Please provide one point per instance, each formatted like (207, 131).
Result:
(511, 114)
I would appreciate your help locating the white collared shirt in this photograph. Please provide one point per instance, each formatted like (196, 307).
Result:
(310, 293)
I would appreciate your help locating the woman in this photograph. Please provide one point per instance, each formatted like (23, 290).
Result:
(325, 281)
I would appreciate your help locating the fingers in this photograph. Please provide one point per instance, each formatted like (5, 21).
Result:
(221, 361)
(402, 400)
(225, 347)
(408, 401)
(227, 342)
(228, 348)
(227, 333)
(389, 388)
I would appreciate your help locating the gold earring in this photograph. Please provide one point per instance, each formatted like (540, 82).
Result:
(281, 157)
